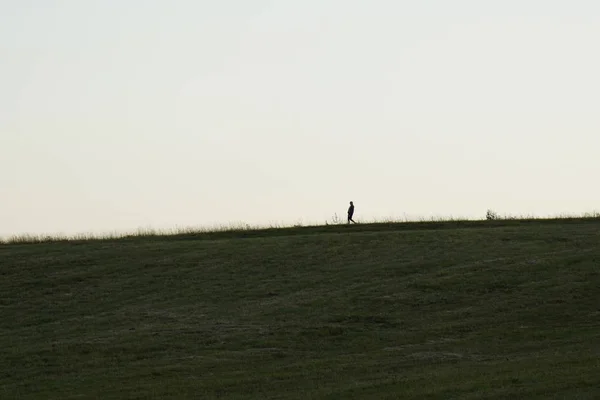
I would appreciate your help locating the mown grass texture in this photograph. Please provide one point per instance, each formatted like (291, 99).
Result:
(441, 310)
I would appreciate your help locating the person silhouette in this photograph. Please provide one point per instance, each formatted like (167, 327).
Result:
(351, 212)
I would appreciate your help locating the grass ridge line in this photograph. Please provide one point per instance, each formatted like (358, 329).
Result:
(240, 232)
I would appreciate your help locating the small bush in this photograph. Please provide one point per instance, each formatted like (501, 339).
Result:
(492, 215)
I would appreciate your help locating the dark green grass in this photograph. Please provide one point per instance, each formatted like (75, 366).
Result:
(508, 309)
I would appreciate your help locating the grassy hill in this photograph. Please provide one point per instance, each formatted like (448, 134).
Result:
(467, 310)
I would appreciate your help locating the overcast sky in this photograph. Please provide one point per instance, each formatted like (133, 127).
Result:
(121, 114)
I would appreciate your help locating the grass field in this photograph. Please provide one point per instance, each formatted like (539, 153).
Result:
(439, 310)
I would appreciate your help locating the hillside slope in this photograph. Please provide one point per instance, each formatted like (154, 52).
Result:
(509, 311)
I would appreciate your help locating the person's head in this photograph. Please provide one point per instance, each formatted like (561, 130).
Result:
(351, 203)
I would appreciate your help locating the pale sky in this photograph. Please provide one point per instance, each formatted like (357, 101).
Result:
(119, 114)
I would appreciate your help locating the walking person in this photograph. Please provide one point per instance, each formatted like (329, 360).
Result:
(351, 212)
